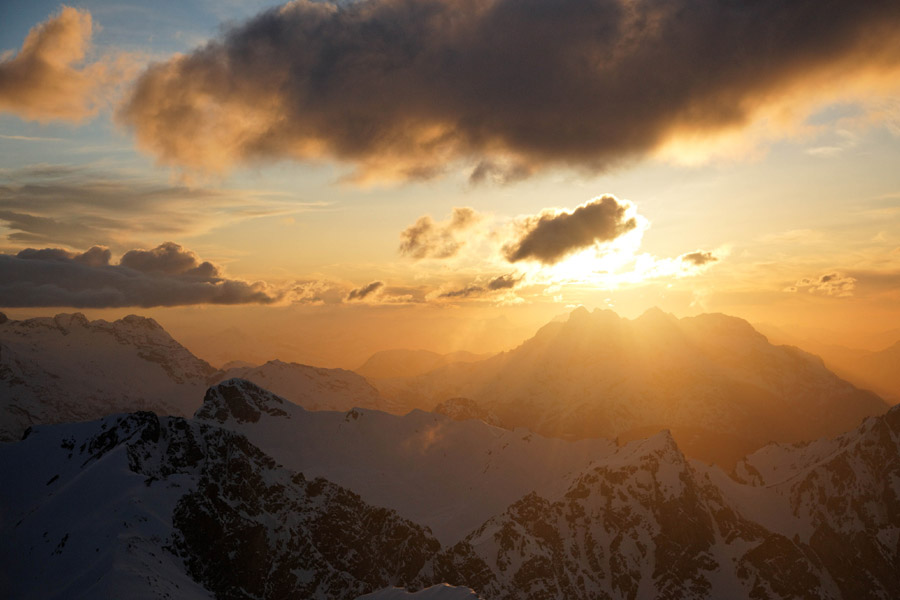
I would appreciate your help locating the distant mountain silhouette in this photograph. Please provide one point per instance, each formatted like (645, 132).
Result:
(718, 384)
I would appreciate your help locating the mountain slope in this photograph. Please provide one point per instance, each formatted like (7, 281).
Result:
(67, 368)
(445, 474)
(599, 375)
(819, 521)
(388, 364)
(312, 388)
(138, 506)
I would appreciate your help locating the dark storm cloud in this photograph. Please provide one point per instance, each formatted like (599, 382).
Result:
(698, 258)
(549, 237)
(427, 239)
(401, 88)
(363, 292)
(168, 275)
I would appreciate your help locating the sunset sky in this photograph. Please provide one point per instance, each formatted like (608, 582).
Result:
(331, 179)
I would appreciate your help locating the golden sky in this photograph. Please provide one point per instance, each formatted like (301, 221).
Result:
(450, 174)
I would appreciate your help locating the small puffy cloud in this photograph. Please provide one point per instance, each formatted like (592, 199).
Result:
(496, 284)
(698, 258)
(829, 284)
(553, 235)
(429, 239)
(46, 80)
(503, 282)
(365, 291)
(167, 275)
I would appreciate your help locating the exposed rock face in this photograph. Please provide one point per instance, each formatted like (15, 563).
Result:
(227, 515)
(819, 521)
(148, 507)
(598, 375)
(448, 475)
(67, 368)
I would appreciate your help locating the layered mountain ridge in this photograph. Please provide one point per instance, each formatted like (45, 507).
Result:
(709, 377)
(194, 508)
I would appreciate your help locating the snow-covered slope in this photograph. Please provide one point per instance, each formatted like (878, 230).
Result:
(816, 521)
(140, 506)
(312, 388)
(445, 474)
(67, 368)
(597, 374)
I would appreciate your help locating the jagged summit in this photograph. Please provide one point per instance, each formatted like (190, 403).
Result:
(240, 401)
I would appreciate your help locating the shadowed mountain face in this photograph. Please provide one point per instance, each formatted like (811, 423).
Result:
(66, 368)
(705, 377)
(388, 364)
(149, 507)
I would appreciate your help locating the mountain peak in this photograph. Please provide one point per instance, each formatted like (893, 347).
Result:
(239, 400)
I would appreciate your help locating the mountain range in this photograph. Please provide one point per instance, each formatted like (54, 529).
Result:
(143, 506)
(714, 381)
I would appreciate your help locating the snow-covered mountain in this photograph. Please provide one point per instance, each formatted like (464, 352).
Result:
(310, 387)
(814, 521)
(67, 368)
(139, 506)
(597, 374)
(445, 474)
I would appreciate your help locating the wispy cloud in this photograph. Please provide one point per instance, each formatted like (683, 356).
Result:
(80, 207)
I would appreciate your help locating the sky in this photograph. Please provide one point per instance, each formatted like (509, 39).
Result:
(317, 181)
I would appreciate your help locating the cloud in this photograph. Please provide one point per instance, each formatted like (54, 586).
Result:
(81, 207)
(698, 258)
(428, 239)
(404, 89)
(365, 291)
(167, 275)
(501, 282)
(43, 82)
(829, 284)
(552, 235)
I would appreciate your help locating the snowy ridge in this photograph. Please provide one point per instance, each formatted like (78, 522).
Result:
(645, 522)
(312, 388)
(137, 506)
(445, 474)
(158, 507)
(67, 368)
